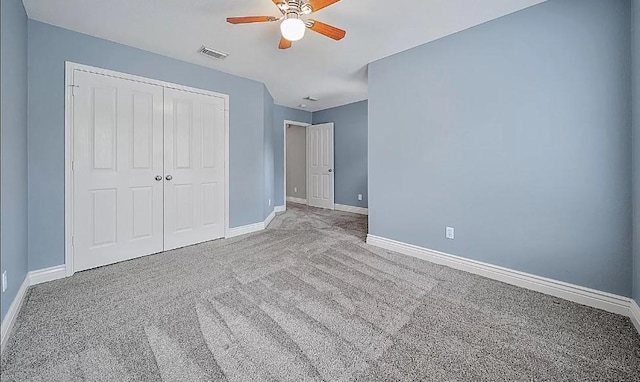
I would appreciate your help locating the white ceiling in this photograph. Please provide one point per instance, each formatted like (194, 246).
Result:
(334, 72)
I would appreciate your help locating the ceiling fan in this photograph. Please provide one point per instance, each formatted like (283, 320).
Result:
(293, 26)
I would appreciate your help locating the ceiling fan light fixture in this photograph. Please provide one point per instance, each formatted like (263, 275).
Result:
(292, 29)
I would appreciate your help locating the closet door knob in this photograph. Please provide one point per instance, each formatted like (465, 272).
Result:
(158, 177)
(169, 177)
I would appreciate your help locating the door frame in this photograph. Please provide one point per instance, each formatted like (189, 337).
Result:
(70, 67)
(333, 151)
(284, 173)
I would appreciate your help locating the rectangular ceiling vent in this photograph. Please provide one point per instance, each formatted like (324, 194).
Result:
(310, 98)
(213, 53)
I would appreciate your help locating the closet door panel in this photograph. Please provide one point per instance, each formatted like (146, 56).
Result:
(194, 168)
(117, 154)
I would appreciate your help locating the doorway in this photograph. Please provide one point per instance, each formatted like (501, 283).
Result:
(308, 164)
(296, 164)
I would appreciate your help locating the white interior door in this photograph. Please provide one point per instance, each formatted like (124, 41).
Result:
(117, 155)
(194, 144)
(320, 175)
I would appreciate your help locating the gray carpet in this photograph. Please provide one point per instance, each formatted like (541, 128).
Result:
(307, 300)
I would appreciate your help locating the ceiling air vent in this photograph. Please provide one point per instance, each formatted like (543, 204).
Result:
(213, 53)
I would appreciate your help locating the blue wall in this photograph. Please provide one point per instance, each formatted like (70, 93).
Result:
(517, 133)
(13, 138)
(350, 151)
(49, 48)
(636, 149)
(281, 114)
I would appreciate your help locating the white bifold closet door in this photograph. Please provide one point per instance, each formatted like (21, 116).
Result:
(148, 169)
(194, 168)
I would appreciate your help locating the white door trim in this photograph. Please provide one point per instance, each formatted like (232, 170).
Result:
(70, 67)
(284, 173)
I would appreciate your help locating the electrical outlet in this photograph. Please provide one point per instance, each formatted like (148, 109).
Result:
(4, 281)
(449, 232)
(295, 189)
(359, 196)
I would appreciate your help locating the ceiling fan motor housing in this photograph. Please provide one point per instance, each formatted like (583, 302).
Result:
(293, 10)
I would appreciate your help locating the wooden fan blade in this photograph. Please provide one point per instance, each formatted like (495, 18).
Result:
(327, 30)
(317, 5)
(284, 43)
(250, 19)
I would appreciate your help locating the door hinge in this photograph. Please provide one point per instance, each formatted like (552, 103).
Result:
(73, 90)
(73, 241)
(73, 166)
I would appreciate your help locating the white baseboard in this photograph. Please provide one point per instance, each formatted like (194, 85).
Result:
(353, 209)
(296, 200)
(245, 229)
(269, 218)
(10, 318)
(33, 278)
(277, 209)
(581, 295)
(635, 315)
(251, 228)
(47, 274)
